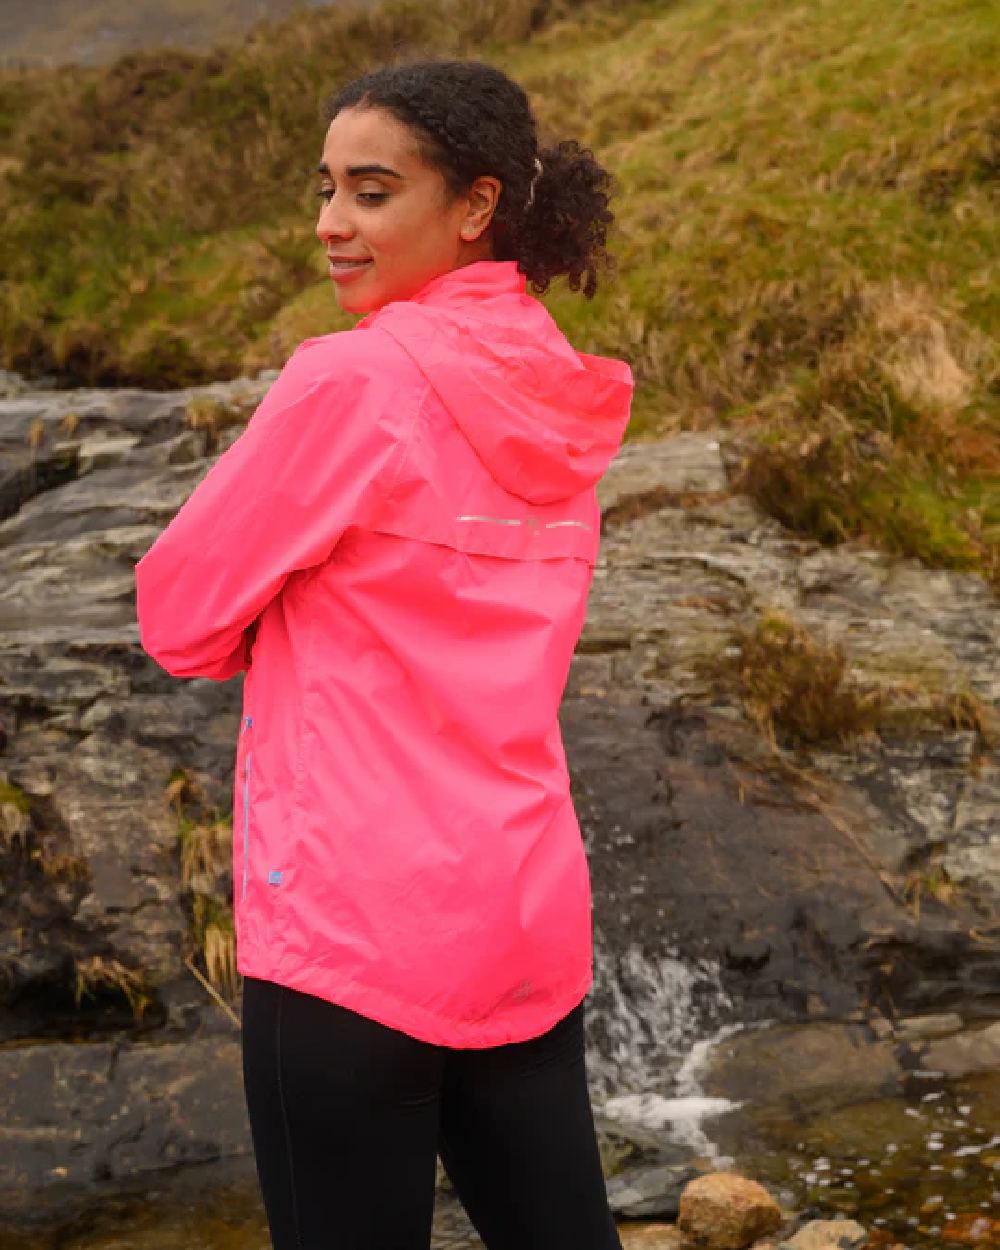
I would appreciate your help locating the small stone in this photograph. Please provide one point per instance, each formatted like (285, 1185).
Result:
(914, 1028)
(652, 1237)
(976, 1050)
(647, 1192)
(727, 1211)
(827, 1235)
(881, 1027)
(102, 451)
(970, 1229)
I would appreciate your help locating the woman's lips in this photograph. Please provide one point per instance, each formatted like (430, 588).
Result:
(346, 268)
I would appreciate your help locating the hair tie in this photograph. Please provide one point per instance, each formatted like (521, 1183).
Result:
(538, 174)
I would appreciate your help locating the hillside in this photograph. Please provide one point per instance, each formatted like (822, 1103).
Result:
(807, 232)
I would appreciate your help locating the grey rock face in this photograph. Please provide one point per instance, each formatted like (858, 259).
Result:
(76, 1114)
(796, 869)
(93, 729)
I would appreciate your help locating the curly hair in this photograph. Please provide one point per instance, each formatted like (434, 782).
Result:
(470, 119)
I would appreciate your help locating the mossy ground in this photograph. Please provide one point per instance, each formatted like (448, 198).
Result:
(806, 241)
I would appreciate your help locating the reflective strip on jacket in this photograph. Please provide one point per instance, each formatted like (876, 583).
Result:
(410, 520)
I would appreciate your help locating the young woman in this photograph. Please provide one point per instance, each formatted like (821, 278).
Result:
(397, 552)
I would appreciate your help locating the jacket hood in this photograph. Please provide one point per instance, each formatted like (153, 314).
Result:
(545, 419)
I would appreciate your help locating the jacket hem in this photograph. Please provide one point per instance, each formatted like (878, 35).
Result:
(417, 1022)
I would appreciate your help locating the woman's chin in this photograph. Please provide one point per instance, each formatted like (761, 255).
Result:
(356, 305)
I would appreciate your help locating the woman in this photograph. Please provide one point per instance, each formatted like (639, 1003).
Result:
(397, 551)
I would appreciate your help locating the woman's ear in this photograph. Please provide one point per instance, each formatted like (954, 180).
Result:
(483, 196)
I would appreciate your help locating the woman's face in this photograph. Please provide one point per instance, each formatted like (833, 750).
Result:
(385, 222)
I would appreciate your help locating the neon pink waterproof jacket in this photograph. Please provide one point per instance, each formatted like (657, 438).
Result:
(410, 516)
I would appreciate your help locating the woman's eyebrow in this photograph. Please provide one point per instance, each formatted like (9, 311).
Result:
(357, 171)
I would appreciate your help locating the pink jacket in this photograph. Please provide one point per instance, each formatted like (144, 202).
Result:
(410, 517)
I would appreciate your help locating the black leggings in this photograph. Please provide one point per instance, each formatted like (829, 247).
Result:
(347, 1117)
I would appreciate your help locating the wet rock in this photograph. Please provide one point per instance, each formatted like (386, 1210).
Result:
(976, 1050)
(970, 1229)
(644, 1192)
(78, 1114)
(102, 452)
(914, 1028)
(727, 1211)
(792, 1065)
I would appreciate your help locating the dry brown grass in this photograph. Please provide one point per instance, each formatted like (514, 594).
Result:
(803, 691)
(60, 865)
(215, 940)
(205, 840)
(98, 973)
(213, 415)
(795, 685)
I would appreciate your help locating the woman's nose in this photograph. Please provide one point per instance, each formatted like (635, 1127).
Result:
(332, 223)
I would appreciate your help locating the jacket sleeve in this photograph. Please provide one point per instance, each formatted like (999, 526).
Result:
(317, 453)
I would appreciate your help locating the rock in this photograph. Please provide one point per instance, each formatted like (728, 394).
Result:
(976, 1050)
(653, 1237)
(915, 1028)
(881, 1028)
(727, 1211)
(11, 384)
(650, 1191)
(662, 756)
(83, 1114)
(794, 1065)
(827, 1235)
(969, 1228)
(101, 452)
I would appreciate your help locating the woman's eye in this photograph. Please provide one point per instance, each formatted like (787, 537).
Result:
(366, 197)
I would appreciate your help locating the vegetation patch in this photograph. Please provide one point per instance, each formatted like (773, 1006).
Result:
(97, 974)
(215, 940)
(213, 415)
(15, 817)
(205, 848)
(800, 692)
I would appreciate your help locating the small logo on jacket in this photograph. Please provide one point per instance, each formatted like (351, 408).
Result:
(522, 991)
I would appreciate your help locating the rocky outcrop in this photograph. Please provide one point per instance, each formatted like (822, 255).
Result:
(92, 729)
(844, 879)
(796, 869)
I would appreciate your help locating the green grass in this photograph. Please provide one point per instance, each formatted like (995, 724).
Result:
(806, 233)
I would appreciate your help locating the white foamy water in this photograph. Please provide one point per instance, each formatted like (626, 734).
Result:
(652, 1023)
